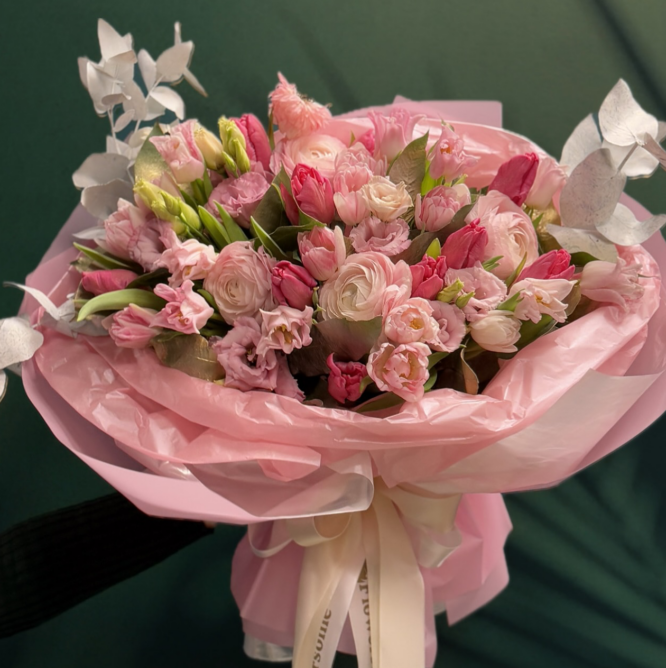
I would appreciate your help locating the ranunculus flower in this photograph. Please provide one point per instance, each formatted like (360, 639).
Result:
(106, 280)
(465, 247)
(373, 234)
(286, 384)
(295, 114)
(515, 177)
(451, 321)
(553, 264)
(257, 146)
(315, 150)
(292, 285)
(354, 167)
(180, 152)
(610, 283)
(239, 196)
(437, 208)
(489, 291)
(448, 157)
(367, 139)
(511, 233)
(240, 281)
(386, 200)
(402, 369)
(428, 276)
(550, 178)
(189, 259)
(542, 297)
(132, 236)
(313, 193)
(244, 368)
(186, 310)
(344, 381)
(363, 285)
(411, 322)
(322, 251)
(392, 132)
(497, 331)
(285, 329)
(132, 327)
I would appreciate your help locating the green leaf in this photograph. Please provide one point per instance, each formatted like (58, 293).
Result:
(457, 223)
(492, 263)
(380, 403)
(151, 279)
(150, 165)
(428, 182)
(216, 230)
(233, 229)
(101, 259)
(270, 210)
(581, 259)
(208, 297)
(434, 250)
(271, 131)
(516, 272)
(189, 353)
(417, 249)
(198, 190)
(530, 331)
(435, 358)
(189, 200)
(207, 185)
(350, 339)
(410, 166)
(287, 236)
(432, 379)
(510, 303)
(267, 242)
(118, 300)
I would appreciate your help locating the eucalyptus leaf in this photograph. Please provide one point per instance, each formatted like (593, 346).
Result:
(102, 200)
(350, 339)
(100, 168)
(655, 149)
(583, 241)
(169, 99)
(150, 165)
(624, 229)
(189, 353)
(585, 139)
(410, 166)
(172, 63)
(118, 300)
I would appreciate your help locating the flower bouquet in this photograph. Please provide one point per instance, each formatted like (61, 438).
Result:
(351, 333)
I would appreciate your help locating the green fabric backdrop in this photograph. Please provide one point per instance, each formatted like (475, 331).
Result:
(588, 560)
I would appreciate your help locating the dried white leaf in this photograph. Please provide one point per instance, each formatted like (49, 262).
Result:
(123, 120)
(591, 192)
(168, 98)
(148, 68)
(177, 33)
(96, 233)
(173, 62)
(3, 384)
(661, 133)
(656, 150)
(622, 120)
(83, 67)
(101, 201)
(195, 83)
(585, 139)
(112, 44)
(100, 168)
(155, 109)
(135, 101)
(18, 341)
(624, 229)
(640, 163)
(583, 241)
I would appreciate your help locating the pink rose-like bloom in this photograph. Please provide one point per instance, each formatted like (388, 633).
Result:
(186, 311)
(313, 194)
(386, 200)
(188, 259)
(344, 381)
(322, 251)
(511, 233)
(316, 150)
(610, 283)
(352, 207)
(367, 139)
(550, 178)
(133, 327)
(402, 370)
(437, 208)
(292, 285)
(428, 276)
(465, 247)
(294, 114)
(411, 322)
(451, 321)
(373, 235)
(257, 146)
(285, 329)
(448, 157)
(286, 384)
(130, 235)
(392, 132)
(515, 177)
(497, 331)
(354, 167)
(239, 197)
(542, 297)
(180, 152)
(553, 264)
(365, 283)
(489, 291)
(240, 281)
(106, 280)
(244, 368)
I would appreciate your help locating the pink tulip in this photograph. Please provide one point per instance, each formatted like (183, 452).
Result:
(344, 381)
(428, 277)
(186, 311)
(401, 369)
(292, 285)
(465, 247)
(393, 132)
(322, 251)
(554, 264)
(612, 283)
(516, 177)
(438, 207)
(312, 192)
(106, 280)
(257, 146)
(133, 327)
(449, 160)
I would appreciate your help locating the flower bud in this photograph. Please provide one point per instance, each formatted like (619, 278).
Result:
(516, 177)
(152, 197)
(554, 264)
(210, 147)
(451, 292)
(233, 143)
(428, 277)
(292, 285)
(466, 246)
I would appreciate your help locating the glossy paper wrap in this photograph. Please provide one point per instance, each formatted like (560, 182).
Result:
(181, 447)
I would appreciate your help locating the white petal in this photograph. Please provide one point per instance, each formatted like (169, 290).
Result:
(591, 192)
(136, 101)
(661, 133)
(148, 68)
(168, 98)
(171, 64)
(622, 120)
(195, 83)
(177, 33)
(100, 86)
(101, 201)
(585, 139)
(640, 163)
(115, 145)
(656, 151)
(624, 229)
(95, 233)
(100, 168)
(111, 43)
(18, 341)
(123, 120)
(3, 384)
(83, 71)
(583, 241)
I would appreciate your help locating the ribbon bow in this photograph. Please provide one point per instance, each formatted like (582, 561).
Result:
(366, 565)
